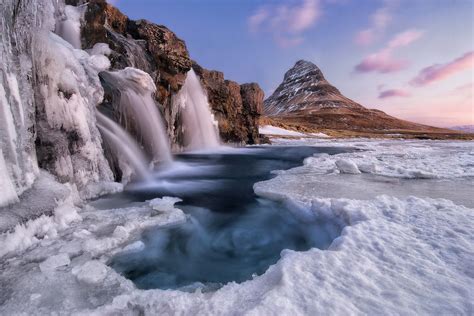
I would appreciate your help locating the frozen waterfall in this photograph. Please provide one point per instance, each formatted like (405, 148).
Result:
(70, 28)
(200, 129)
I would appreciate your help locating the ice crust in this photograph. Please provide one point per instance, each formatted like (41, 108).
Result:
(405, 255)
(400, 159)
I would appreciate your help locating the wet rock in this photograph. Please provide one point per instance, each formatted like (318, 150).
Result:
(236, 107)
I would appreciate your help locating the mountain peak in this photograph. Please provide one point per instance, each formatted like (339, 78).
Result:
(305, 87)
(304, 68)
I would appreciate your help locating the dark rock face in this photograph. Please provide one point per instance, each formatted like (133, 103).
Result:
(236, 107)
(158, 51)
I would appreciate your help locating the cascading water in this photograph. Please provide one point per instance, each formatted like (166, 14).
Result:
(128, 152)
(200, 130)
(131, 91)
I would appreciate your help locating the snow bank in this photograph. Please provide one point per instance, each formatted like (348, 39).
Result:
(273, 130)
(25, 235)
(406, 255)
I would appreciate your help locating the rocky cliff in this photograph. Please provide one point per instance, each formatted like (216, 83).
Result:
(158, 51)
(236, 107)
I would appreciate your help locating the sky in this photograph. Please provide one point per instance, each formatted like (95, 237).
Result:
(413, 59)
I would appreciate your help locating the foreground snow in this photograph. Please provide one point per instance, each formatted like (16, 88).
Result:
(396, 255)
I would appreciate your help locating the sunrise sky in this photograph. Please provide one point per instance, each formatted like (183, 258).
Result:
(411, 58)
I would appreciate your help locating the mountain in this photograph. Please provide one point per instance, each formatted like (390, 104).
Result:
(306, 101)
(304, 87)
(464, 128)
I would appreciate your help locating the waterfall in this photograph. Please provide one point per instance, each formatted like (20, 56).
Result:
(200, 129)
(128, 152)
(131, 91)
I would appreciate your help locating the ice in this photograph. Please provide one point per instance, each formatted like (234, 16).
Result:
(54, 262)
(396, 255)
(165, 204)
(69, 91)
(399, 159)
(7, 188)
(100, 49)
(25, 235)
(70, 28)
(273, 130)
(347, 166)
(91, 272)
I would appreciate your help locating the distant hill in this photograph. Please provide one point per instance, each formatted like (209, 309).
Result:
(464, 128)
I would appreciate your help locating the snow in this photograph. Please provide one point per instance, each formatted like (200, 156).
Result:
(273, 130)
(91, 272)
(54, 262)
(25, 235)
(278, 131)
(397, 158)
(396, 254)
(70, 90)
(347, 166)
(321, 135)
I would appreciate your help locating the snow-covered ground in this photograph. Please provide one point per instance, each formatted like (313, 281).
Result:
(278, 131)
(273, 130)
(405, 249)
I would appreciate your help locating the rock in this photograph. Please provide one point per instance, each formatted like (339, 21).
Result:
(236, 107)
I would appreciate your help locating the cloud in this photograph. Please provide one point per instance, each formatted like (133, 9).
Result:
(378, 23)
(286, 23)
(439, 72)
(383, 60)
(390, 93)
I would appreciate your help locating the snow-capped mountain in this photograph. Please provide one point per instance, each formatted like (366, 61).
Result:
(304, 87)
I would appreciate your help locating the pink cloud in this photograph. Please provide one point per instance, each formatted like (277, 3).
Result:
(404, 38)
(383, 60)
(439, 72)
(378, 23)
(286, 23)
(390, 93)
